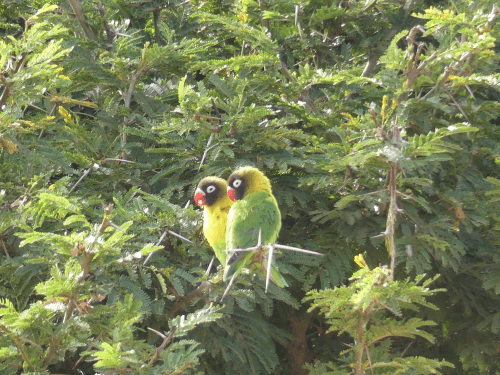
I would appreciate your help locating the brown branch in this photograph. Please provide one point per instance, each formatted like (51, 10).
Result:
(133, 83)
(358, 363)
(109, 34)
(191, 296)
(87, 350)
(374, 192)
(75, 6)
(457, 105)
(198, 116)
(495, 11)
(128, 97)
(156, 22)
(5, 248)
(7, 92)
(304, 93)
(349, 173)
(375, 56)
(232, 129)
(448, 71)
(19, 345)
(391, 219)
(407, 347)
(390, 231)
(54, 344)
(374, 117)
(69, 310)
(297, 347)
(265, 22)
(369, 358)
(166, 341)
(372, 61)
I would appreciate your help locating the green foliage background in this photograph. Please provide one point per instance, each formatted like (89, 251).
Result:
(376, 122)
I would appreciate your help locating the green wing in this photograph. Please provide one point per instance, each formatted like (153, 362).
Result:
(220, 251)
(256, 212)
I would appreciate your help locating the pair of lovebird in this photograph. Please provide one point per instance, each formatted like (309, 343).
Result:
(236, 213)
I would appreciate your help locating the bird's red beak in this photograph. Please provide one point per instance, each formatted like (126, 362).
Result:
(199, 198)
(231, 193)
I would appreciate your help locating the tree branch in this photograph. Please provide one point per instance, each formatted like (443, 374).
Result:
(191, 296)
(75, 6)
(54, 344)
(109, 34)
(304, 93)
(19, 345)
(166, 341)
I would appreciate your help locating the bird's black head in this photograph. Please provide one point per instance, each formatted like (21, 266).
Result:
(237, 184)
(209, 191)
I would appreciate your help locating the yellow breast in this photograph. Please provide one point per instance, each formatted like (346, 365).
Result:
(214, 226)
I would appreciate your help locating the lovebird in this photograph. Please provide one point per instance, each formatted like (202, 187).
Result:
(255, 209)
(211, 194)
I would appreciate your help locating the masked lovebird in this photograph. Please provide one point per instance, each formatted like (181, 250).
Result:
(255, 210)
(211, 194)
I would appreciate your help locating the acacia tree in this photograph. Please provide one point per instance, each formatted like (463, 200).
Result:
(376, 123)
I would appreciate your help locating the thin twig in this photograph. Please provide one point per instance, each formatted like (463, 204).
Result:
(166, 340)
(162, 237)
(157, 333)
(7, 92)
(80, 180)
(167, 231)
(369, 358)
(119, 160)
(305, 95)
(191, 296)
(374, 192)
(206, 151)
(218, 118)
(407, 347)
(87, 350)
(19, 345)
(390, 239)
(51, 113)
(458, 105)
(5, 248)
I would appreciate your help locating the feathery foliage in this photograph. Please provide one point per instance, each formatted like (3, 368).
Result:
(376, 122)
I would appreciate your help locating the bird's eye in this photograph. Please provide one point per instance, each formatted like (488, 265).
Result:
(210, 189)
(237, 183)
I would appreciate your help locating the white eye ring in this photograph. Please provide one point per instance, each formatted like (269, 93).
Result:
(210, 189)
(237, 183)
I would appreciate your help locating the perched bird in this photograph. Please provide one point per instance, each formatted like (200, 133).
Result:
(255, 210)
(211, 194)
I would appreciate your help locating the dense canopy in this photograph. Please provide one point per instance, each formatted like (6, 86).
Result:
(375, 121)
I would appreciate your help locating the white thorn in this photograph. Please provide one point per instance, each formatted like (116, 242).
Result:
(228, 288)
(297, 249)
(209, 267)
(269, 264)
(178, 236)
